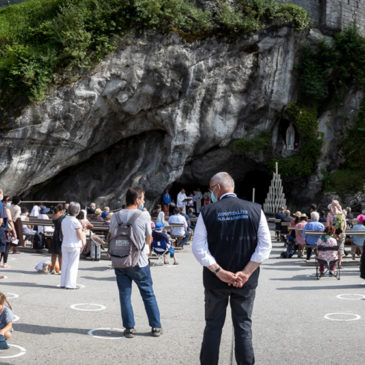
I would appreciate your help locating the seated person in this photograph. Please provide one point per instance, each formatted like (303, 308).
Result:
(191, 215)
(358, 240)
(43, 215)
(310, 239)
(27, 230)
(98, 216)
(177, 218)
(327, 240)
(105, 213)
(161, 243)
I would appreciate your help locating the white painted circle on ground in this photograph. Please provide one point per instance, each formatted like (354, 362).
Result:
(11, 295)
(91, 333)
(88, 307)
(15, 318)
(12, 259)
(342, 317)
(21, 352)
(350, 296)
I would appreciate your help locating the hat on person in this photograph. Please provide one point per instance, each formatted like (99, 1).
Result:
(97, 211)
(44, 210)
(303, 215)
(159, 225)
(297, 214)
(361, 218)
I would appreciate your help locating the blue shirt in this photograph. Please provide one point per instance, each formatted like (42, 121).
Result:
(6, 316)
(312, 226)
(166, 199)
(358, 240)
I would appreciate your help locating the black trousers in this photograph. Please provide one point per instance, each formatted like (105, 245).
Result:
(216, 301)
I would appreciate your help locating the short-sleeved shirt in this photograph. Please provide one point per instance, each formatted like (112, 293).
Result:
(358, 240)
(2, 211)
(69, 226)
(6, 316)
(141, 228)
(312, 226)
(178, 219)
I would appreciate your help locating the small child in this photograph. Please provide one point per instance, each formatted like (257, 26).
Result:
(43, 267)
(6, 317)
(159, 236)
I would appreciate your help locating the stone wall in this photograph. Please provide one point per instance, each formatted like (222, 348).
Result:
(10, 2)
(334, 15)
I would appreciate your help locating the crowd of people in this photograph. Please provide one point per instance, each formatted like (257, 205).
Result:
(231, 239)
(331, 244)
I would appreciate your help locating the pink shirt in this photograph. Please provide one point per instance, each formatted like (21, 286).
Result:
(298, 233)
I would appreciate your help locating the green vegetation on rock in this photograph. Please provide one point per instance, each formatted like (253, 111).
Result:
(43, 42)
(256, 144)
(326, 74)
(305, 162)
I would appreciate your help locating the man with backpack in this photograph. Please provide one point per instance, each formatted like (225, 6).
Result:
(129, 233)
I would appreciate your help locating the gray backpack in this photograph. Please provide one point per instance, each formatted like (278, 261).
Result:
(123, 248)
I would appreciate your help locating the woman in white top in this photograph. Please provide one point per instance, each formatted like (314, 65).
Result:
(72, 244)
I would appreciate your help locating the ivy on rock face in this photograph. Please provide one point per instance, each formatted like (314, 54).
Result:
(42, 39)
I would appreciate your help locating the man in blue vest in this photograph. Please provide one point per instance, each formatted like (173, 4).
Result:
(231, 239)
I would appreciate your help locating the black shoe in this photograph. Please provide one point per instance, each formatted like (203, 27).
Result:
(129, 332)
(156, 332)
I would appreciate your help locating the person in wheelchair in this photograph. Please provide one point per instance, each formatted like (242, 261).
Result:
(327, 251)
(162, 243)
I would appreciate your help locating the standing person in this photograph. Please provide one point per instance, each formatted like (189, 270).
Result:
(337, 217)
(231, 240)
(160, 214)
(16, 213)
(181, 200)
(299, 239)
(140, 274)
(56, 244)
(4, 243)
(9, 224)
(166, 201)
(279, 215)
(72, 244)
(198, 196)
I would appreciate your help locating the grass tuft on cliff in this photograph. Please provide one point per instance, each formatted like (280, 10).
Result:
(41, 39)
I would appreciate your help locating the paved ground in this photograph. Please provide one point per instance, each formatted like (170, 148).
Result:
(289, 324)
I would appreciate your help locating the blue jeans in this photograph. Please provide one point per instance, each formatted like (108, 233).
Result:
(185, 239)
(142, 277)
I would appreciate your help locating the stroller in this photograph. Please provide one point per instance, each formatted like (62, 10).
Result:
(328, 264)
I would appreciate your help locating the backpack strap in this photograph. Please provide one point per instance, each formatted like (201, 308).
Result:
(134, 217)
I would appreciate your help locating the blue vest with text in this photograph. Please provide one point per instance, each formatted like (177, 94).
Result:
(232, 229)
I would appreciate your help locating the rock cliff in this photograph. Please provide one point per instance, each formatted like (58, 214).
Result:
(157, 110)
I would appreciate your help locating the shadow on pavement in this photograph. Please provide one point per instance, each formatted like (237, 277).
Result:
(110, 278)
(320, 287)
(30, 285)
(46, 330)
